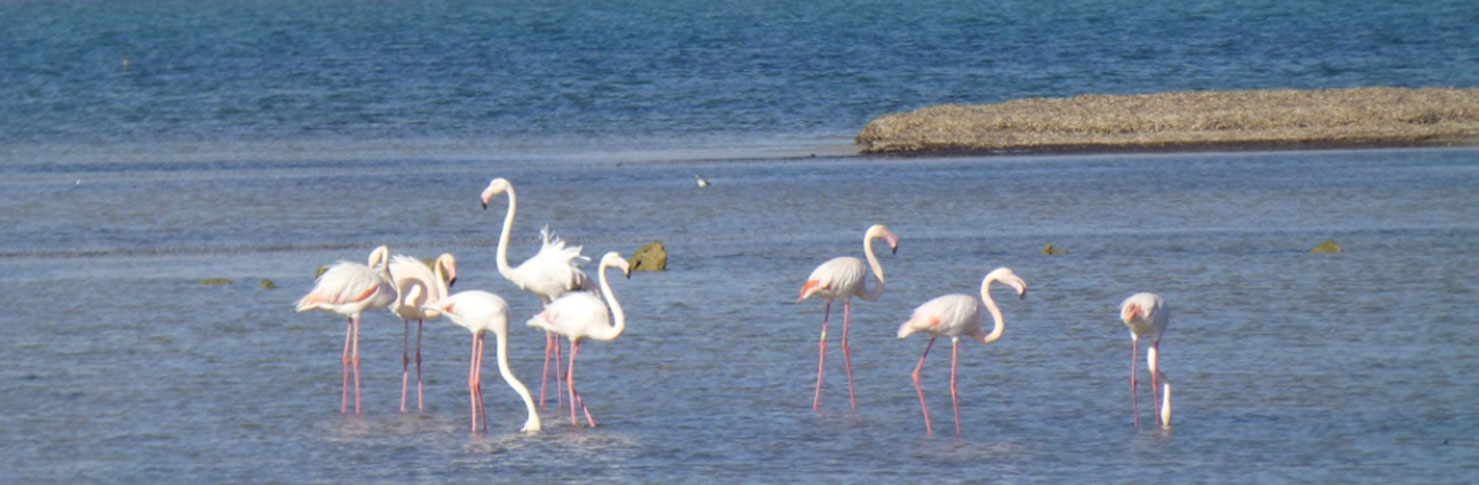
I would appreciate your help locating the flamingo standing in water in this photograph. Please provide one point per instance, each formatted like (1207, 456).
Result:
(417, 284)
(549, 274)
(1147, 316)
(482, 312)
(349, 289)
(582, 314)
(953, 316)
(843, 277)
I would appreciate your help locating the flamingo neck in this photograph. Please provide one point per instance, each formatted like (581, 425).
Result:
(618, 318)
(440, 275)
(1152, 360)
(877, 291)
(508, 227)
(1000, 325)
(532, 423)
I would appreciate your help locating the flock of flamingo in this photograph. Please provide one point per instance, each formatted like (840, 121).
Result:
(577, 309)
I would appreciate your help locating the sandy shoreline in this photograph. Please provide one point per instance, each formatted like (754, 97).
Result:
(1191, 120)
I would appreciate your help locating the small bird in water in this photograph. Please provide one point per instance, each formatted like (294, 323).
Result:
(701, 182)
(124, 63)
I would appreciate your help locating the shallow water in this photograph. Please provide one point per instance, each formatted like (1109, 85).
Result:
(1289, 366)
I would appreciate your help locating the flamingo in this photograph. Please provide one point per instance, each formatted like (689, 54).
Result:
(482, 312)
(578, 315)
(349, 289)
(417, 284)
(953, 316)
(552, 271)
(843, 277)
(1147, 316)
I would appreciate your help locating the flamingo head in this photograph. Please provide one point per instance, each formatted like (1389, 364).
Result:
(1139, 306)
(1009, 278)
(614, 260)
(448, 265)
(379, 257)
(879, 231)
(497, 186)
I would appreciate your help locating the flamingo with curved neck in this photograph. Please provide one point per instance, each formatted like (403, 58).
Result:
(417, 284)
(953, 316)
(554, 270)
(581, 315)
(1147, 315)
(481, 312)
(843, 277)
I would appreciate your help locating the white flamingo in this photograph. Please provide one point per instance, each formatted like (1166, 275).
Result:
(481, 312)
(954, 316)
(554, 270)
(417, 284)
(580, 315)
(843, 277)
(349, 289)
(1147, 316)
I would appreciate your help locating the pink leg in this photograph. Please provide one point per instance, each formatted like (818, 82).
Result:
(847, 353)
(570, 381)
(482, 410)
(816, 400)
(544, 376)
(472, 382)
(418, 365)
(918, 369)
(1134, 397)
(954, 358)
(559, 377)
(344, 363)
(405, 360)
(355, 357)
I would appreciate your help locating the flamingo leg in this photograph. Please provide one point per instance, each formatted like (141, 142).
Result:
(482, 410)
(847, 353)
(355, 358)
(1134, 398)
(918, 369)
(419, 324)
(405, 360)
(954, 358)
(559, 377)
(816, 400)
(344, 364)
(472, 380)
(544, 376)
(570, 385)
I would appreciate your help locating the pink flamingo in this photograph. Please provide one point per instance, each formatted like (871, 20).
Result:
(481, 312)
(1147, 316)
(549, 274)
(843, 277)
(952, 316)
(417, 284)
(349, 289)
(578, 315)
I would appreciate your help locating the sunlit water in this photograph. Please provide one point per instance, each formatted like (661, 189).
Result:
(118, 365)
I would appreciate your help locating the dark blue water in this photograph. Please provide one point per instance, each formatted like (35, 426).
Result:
(519, 74)
(258, 141)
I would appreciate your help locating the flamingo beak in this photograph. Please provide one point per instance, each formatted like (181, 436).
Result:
(451, 282)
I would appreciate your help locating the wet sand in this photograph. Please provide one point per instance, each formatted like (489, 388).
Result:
(1190, 120)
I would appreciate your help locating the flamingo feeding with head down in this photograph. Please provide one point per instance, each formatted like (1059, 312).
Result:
(953, 316)
(580, 315)
(843, 277)
(417, 284)
(349, 289)
(1147, 316)
(481, 312)
(554, 270)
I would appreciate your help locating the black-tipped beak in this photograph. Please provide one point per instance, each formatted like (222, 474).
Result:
(451, 282)
(894, 250)
(628, 274)
(485, 206)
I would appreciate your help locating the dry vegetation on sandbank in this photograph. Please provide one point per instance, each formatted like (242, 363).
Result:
(1187, 120)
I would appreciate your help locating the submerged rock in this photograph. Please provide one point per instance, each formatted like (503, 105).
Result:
(1050, 249)
(1329, 246)
(216, 281)
(267, 284)
(322, 268)
(652, 257)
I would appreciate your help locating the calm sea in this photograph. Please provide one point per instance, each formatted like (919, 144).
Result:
(258, 141)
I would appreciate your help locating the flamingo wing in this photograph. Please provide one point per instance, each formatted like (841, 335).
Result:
(838, 277)
(573, 315)
(944, 316)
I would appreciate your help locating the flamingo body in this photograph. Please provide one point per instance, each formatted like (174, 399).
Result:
(481, 312)
(1147, 315)
(349, 289)
(581, 315)
(955, 316)
(845, 277)
(418, 284)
